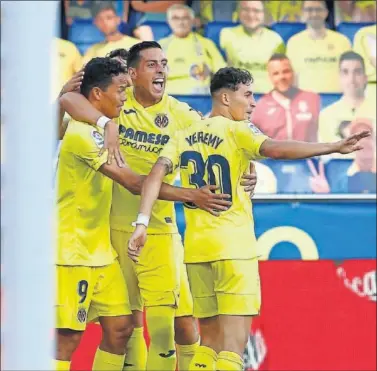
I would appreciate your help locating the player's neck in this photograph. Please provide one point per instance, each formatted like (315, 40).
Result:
(144, 98)
(220, 111)
(253, 31)
(290, 93)
(354, 101)
(116, 36)
(317, 33)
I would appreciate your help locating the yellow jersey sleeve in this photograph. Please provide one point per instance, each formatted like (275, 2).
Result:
(86, 143)
(217, 60)
(90, 53)
(249, 139)
(77, 60)
(365, 45)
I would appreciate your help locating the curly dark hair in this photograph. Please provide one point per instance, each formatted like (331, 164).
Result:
(230, 78)
(118, 53)
(134, 52)
(99, 73)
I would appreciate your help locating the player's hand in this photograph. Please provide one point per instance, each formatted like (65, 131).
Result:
(351, 143)
(207, 200)
(250, 180)
(73, 84)
(111, 143)
(318, 181)
(137, 242)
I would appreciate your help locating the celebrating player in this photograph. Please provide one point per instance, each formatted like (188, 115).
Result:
(147, 121)
(90, 281)
(220, 253)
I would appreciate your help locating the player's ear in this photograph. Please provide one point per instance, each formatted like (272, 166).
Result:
(96, 93)
(224, 97)
(132, 72)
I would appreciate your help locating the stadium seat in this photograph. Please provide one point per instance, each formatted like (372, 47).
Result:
(287, 29)
(349, 29)
(212, 30)
(200, 103)
(336, 169)
(160, 29)
(84, 33)
(328, 98)
(291, 176)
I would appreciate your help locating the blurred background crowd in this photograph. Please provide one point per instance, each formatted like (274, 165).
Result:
(313, 63)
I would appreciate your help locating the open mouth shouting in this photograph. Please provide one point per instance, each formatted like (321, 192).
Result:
(158, 85)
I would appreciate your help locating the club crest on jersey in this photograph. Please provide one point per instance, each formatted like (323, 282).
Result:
(81, 315)
(254, 129)
(161, 120)
(98, 138)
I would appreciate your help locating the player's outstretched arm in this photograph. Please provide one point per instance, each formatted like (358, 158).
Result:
(80, 109)
(292, 150)
(203, 198)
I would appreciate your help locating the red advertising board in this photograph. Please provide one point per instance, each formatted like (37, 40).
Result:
(316, 315)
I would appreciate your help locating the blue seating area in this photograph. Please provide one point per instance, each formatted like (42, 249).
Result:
(202, 103)
(286, 30)
(84, 34)
(160, 29)
(349, 29)
(292, 176)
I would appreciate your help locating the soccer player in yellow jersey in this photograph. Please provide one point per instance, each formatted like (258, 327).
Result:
(147, 122)
(90, 281)
(220, 252)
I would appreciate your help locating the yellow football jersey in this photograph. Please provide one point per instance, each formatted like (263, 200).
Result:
(192, 61)
(83, 199)
(334, 119)
(103, 48)
(69, 61)
(143, 133)
(251, 52)
(283, 11)
(365, 45)
(317, 61)
(217, 151)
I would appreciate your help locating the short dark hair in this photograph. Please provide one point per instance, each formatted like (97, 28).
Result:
(352, 56)
(134, 52)
(118, 53)
(100, 6)
(278, 57)
(99, 72)
(230, 78)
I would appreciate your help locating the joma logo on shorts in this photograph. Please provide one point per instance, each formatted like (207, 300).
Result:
(168, 354)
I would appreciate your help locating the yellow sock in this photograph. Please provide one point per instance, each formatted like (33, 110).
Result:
(137, 353)
(104, 361)
(229, 361)
(185, 354)
(161, 355)
(62, 365)
(204, 359)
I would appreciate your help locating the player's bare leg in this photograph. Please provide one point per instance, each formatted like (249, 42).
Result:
(186, 339)
(67, 342)
(210, 344)
(136, 349)
(116, 332)
(234, 333)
